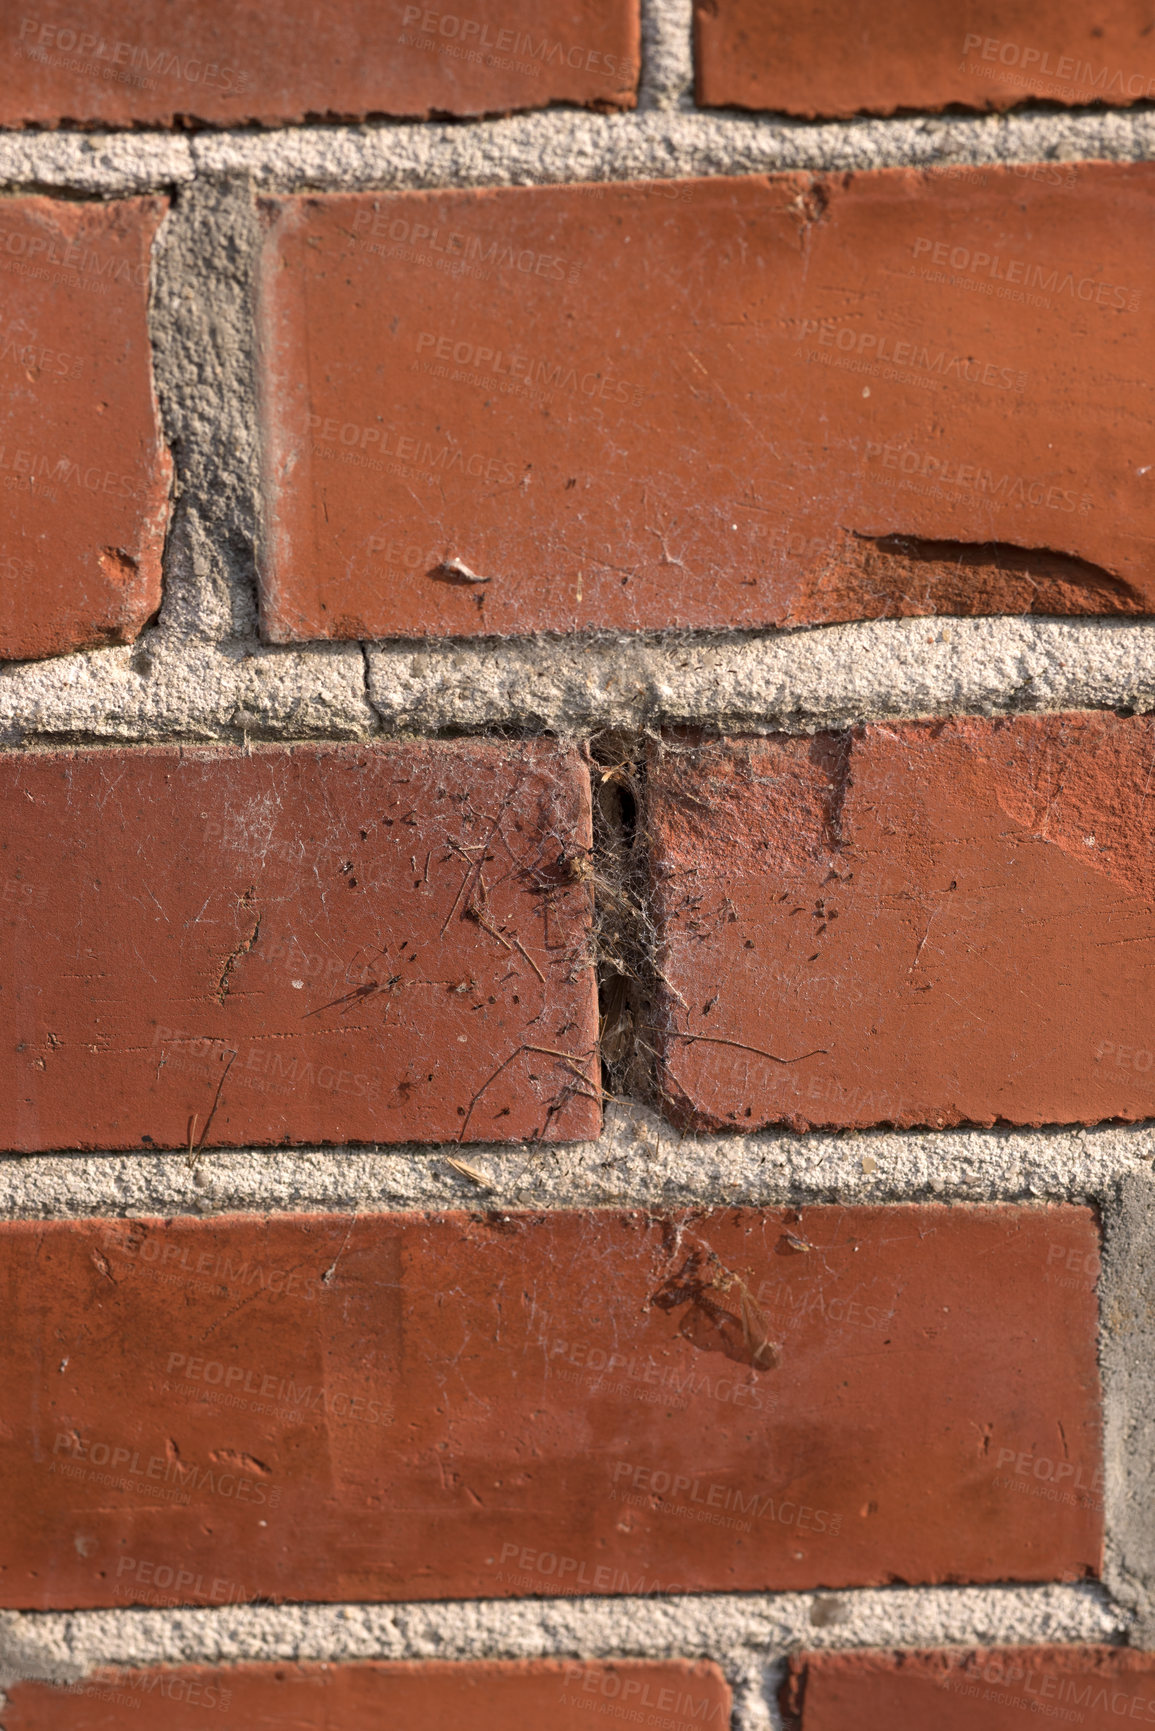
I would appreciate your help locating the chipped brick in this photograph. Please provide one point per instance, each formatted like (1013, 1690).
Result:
(83, 469)
(222, 64)
(729, 402)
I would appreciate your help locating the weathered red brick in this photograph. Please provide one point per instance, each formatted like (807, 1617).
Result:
(84, 471)
(989, 1689)
(293, 944)
(384, 1407)
(833, 59)
(538, 1694)
(746, 402)
(925, 922)
(96, 63)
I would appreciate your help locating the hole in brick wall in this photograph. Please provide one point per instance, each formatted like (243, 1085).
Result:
(628, 814)
(617, 770)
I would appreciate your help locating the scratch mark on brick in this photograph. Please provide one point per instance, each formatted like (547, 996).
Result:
(240, 1461)
(741, 1046)
(231, 961)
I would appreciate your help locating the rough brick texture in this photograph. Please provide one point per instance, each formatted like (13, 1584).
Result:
(790, 400)
(83, 471)
(982, 1690)
(834, 59)
(453, 470)
(392, 1407)
(924, 923)
(318, 943)
(540, 1695)
(102, 63)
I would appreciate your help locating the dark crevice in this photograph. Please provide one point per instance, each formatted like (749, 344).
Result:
(617, 770)
(831, 752)
(1035, 564)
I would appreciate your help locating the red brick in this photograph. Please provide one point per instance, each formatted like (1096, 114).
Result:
(538, 1694)
(638, 419)
(933, 922)
(832, 59)
(507, 1405)
(988, 1689)
(295, 944)
(224, 64)
(84, 470)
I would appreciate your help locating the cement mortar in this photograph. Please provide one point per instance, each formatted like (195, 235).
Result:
(667, 58)
(639, 1161)
(60, 1646)
(563, 145)
(536, 149)
(1127, 1353)
(661, 140)
(176, 682)
(831, 676)
(93, 163)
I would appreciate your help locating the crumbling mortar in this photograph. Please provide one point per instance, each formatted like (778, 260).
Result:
(666, 138)
(638, 1161)
(204, 361)
(667, 55)
(177, 681)
(1127, 1357)
(748, 1634)
(573, 145)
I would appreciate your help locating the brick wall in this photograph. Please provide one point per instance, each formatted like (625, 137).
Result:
(575, 747)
